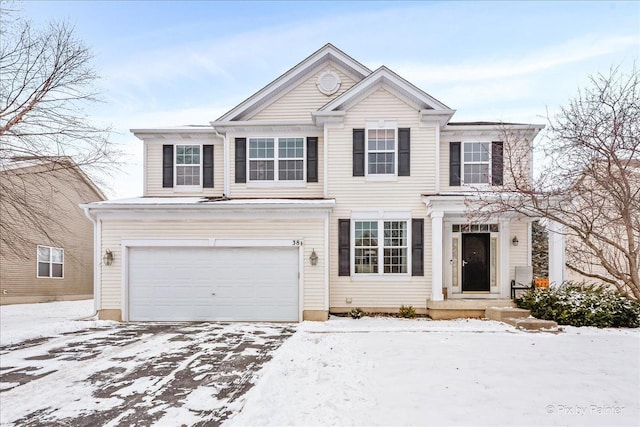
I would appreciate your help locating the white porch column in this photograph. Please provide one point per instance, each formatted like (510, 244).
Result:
(556, 254)
(436, 256)
(504, 266)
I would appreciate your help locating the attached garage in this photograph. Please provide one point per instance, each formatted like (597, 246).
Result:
(213, 283)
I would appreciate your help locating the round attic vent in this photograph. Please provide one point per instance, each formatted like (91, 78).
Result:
(328, 82)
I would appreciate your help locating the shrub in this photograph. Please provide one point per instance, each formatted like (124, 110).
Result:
(407, 312)
(356, 313)
(582, 305)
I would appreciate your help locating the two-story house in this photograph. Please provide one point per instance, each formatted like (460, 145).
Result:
(46, 240)
(331, 188)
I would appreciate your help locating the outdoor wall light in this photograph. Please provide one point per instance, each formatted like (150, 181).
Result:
(314, 257)
(515, 241)
(107, 258)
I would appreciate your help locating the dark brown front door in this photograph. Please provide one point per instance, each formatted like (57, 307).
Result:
(475, 262)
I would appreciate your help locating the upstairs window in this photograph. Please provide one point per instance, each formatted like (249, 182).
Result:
(50, 262)
(188, 165)
(276, 159)
(381, 151)
(476, 163)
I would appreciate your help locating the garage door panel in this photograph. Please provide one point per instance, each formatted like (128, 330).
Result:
(213, 284)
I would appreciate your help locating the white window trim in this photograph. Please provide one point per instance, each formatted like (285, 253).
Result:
(50, 263)
(489, 163)
(378, 125)
(277, 182)
(380, 219)
(185, 188)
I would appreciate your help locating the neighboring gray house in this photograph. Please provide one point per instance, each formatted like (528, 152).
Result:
(56, 264)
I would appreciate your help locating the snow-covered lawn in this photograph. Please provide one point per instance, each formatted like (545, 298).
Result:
(21, 322)
(384, 371)
(381, 371)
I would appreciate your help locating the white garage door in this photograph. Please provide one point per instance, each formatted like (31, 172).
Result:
(176, 284)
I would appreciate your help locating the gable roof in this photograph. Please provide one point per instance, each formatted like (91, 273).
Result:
(55, 163)
(293, 75)
(384, 77)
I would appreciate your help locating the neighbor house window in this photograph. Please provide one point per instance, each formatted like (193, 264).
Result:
(50, 262)
(276, 159)
(371, 252)
(188, 165)
(381, 151)
(476, 162)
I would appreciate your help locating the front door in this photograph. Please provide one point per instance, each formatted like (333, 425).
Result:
(475, 262)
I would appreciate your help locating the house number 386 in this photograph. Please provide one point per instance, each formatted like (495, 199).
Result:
(296, 243)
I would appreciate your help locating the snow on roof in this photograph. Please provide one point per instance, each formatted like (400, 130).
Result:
(203, 201)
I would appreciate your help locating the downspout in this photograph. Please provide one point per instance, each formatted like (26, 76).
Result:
(225, 149)
(96, 263)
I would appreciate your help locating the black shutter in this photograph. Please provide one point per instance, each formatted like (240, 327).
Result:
(167, 166)
(404, 152)
(454, 164)
(417, 247)
(312, 159)
(344, 245)
(207, 166)
(241, 160)
(497, 163)
(358, 152)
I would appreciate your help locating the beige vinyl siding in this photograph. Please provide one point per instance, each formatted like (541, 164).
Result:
(310, 231)
(517, 159)
(58, 194)
(518, 255)
(299, 102)
(153, 171)
(360, 194)
(280, 189)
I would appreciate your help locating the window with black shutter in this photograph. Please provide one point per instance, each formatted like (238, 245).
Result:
(417, 247)
(497, 163)
(207, 166)
(344, 243)
(404, 152)
(358, 152)
(454, 164)
(312, 159)
(241, 160)
(167, 166)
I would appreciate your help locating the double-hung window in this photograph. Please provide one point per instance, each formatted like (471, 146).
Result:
(381, 151)
(276, 159)
(50, 262)
(188, 165)
(476, 163)
(388, 255)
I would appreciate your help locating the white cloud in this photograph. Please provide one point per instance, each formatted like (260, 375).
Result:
(572, 51)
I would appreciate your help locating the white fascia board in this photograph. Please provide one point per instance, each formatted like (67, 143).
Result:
(441, 116)
(494, 127)
(201, 204)
(292, 74)
(381, 76)
(328, 117)
(261, 126)
(206, 132)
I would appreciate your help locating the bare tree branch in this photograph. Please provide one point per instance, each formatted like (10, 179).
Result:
(46, 87)
(589, 181)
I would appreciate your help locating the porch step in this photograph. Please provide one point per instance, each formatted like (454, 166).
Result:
(532, 324)
(457, 308)
(502, 313)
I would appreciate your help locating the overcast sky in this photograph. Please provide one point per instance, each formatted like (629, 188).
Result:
(177, 63)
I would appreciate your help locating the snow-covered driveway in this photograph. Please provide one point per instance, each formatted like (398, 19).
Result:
(134, 374)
